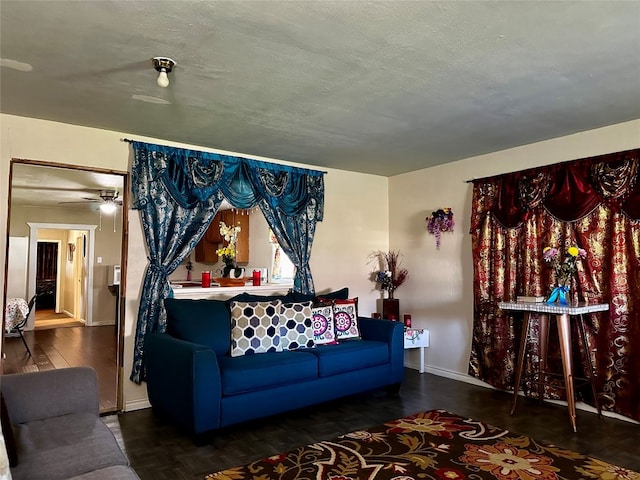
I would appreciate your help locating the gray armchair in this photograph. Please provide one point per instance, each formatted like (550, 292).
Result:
(56, 427)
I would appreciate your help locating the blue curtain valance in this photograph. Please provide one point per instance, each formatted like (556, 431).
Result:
(191, 177)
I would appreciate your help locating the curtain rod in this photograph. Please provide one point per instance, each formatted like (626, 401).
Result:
(324, 172)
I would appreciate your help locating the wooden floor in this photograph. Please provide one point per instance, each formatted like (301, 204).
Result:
(68, 347)
(158, 451)
(50, 319)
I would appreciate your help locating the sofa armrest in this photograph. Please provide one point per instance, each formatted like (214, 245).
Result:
(393, 334)
(50, 393)
(183, 382)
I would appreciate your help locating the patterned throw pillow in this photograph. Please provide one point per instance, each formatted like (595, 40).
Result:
(323, 329)
(255, 327)
(296, 325)
(345, 317)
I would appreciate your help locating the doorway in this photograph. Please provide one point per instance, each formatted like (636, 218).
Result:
(70, 292)
(55, 210)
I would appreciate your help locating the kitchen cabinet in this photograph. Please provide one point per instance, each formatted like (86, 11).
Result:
(205, 251)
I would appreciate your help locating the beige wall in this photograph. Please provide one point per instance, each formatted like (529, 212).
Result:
(438, 293)
(356, 214)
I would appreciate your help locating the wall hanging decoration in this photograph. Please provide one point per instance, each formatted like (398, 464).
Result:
(563, 271)
(440, 221)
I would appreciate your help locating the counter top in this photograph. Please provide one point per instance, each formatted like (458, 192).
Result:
(216, 292)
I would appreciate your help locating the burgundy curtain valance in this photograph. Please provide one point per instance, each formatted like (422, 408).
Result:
(568, 191)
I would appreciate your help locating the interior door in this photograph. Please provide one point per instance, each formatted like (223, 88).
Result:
(80, 279)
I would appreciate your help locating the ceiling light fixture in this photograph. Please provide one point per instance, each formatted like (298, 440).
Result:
(108, 207)
(163, 65)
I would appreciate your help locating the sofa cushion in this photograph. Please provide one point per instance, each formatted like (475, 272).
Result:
(301, 297)
(44, 453)
(296, 325)
(117, 472)
(341, 294)
(348, 356)
(323, 328)
(256, 372)
(252, 297)
(345, 318)
(255, 327)
(205, 322)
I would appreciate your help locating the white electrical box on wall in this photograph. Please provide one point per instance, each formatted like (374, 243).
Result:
(115, 275)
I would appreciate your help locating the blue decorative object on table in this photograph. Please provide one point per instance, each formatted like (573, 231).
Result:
(559, 295)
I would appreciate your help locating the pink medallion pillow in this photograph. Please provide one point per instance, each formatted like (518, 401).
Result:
(345, 318)
(323, 327)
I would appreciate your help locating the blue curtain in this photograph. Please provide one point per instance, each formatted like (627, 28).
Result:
(178, 192)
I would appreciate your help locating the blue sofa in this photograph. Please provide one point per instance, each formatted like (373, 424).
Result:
(193, 381)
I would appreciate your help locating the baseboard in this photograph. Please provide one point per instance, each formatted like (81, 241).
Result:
(67, 313)
(461, 377)
(441, 372)
(136, 405)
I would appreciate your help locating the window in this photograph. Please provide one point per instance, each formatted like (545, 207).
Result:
(282, 270)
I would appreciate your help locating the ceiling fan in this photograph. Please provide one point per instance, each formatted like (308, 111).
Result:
(108, 201)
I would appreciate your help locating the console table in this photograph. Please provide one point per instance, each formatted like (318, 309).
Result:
(417, 338)
(563, 315)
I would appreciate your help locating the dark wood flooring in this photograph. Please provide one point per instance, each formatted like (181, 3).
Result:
(68, 347)
(158, 451)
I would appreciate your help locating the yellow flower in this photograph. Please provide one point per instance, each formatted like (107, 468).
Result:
(573, 251)
(546, 249)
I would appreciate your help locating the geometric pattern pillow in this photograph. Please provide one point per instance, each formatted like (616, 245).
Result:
(296, 325)
(345, 317)
(255, 327)
(323, 326)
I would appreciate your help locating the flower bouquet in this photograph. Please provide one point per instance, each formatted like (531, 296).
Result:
(391, 275)
(563, 270)
(228, 252)
(440, 221)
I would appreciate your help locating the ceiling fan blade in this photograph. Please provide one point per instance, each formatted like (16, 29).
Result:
(86, 200)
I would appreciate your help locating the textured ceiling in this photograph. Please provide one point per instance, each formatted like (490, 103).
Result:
(42, 186)
(378, 87)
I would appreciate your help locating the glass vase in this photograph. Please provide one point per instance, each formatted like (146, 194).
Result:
(226, 270)
(559, 295)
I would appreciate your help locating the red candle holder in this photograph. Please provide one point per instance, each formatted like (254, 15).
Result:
(206, 279)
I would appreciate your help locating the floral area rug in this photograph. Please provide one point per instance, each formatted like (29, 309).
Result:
(431, 445)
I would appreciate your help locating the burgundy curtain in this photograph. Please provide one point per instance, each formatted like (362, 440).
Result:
(593, 203)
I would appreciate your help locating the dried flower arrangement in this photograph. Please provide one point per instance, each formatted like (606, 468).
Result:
(390, 275)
